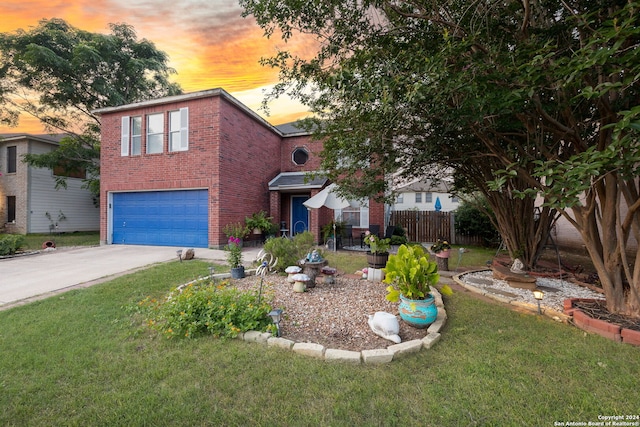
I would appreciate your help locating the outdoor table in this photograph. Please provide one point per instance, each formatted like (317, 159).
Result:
(312, 269)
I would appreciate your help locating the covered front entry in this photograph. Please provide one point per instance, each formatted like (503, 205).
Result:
(161, 218)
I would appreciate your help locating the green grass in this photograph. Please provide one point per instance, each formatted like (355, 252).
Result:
(34, 241)
(81, 358)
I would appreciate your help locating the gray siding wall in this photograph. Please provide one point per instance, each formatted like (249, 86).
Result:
(74, 202)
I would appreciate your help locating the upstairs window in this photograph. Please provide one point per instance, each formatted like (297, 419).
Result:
(179, 130)
(131, 133)
(136, 136)
(300, 156)
(428, 197)
(418, 197)
(155, 133)
(12, 159)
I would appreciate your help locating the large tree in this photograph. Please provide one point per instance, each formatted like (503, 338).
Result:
(522, 99)
(60, 74)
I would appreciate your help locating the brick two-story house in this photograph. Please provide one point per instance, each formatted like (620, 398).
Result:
(176, 170)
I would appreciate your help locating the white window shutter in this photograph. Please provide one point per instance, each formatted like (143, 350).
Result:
(124, 136)
(184, 128)
(364, 216)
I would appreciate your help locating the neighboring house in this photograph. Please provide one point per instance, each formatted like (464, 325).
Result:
(29, 201)
(424, 195)
(176, 170)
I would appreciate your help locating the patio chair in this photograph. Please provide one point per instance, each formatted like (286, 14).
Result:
(347, 234)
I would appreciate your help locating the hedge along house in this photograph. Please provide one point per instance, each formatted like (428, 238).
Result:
(176, 170)
(29, 200)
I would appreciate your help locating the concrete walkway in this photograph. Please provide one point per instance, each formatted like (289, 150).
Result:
(30, 277)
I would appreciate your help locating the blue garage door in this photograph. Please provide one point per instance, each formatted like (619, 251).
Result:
(161, 218)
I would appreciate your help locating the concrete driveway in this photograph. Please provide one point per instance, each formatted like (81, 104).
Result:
(31, 277)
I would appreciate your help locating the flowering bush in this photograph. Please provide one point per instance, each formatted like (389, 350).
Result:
(376, 244)
(440, 245)
(234, 257)
(207, 308)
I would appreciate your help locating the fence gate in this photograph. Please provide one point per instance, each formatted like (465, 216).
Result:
(424, 226)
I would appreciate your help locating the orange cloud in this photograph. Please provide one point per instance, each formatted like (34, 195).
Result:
(209, 44)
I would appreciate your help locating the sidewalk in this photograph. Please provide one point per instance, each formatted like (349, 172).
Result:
(31, 277)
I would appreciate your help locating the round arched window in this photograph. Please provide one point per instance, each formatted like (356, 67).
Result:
(300, 156)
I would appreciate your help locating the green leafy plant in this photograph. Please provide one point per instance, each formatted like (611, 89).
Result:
(207, 308)
(376, 244)
(440, 245)
(328, 231)
(236, 229)
(261, 221)
(10, 243)
(399, 236)
(410, 273)
(289, 251)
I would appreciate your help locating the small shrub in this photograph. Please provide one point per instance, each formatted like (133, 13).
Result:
(207, 308)
(472, 220)
(10, 243)
(289, 251)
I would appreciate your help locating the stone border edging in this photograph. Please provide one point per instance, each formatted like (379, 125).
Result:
(374, 356)
(603, 328)
(548, 312)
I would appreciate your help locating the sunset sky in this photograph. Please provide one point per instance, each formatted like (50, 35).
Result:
(209, 44)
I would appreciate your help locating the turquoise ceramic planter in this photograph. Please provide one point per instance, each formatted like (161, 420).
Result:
(418, 313)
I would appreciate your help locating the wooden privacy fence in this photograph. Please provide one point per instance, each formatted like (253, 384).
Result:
(429, 226)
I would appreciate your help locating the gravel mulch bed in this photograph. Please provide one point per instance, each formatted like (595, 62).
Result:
(333, 315)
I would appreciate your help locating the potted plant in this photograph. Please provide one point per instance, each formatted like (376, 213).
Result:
(378, 252)
(259, 222)
(234, 257)
(410, 275)
(237, 230)
(441, 248)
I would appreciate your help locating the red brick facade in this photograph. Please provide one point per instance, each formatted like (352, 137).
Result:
(232, 153)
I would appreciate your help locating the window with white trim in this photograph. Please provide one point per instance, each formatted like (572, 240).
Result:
(131, 136)
(400, 199)
(357, 214)
(155, 133)
(136, 136)
(418, 197)
(179, 130)
(428, 197)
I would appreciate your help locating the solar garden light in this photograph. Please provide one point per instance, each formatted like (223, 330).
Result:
(179, 253)
(211, 270)
(538, 295)
(276, 316)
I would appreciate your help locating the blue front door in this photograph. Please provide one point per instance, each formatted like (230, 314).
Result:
(299, 215)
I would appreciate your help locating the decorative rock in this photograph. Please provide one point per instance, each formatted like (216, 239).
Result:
(517, 266)
(309, 349)
(336, 355)
(188, 253)
(377, 356)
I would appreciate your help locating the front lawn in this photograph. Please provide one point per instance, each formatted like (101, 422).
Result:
(81, 358)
